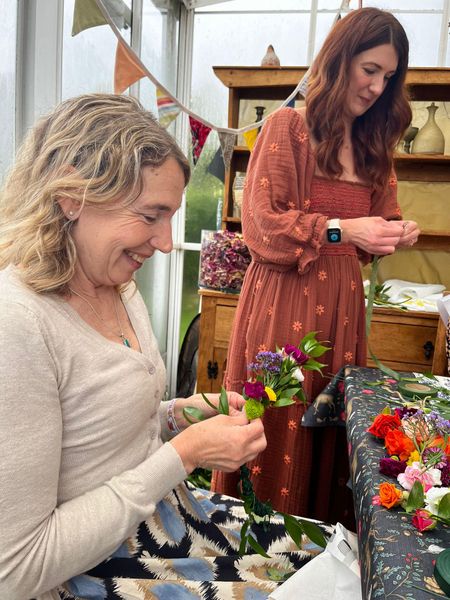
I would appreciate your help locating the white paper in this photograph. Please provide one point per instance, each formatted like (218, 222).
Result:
(332, 575)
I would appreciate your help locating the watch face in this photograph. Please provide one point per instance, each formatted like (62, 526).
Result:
(334, 235)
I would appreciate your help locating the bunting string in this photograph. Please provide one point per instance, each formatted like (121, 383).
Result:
(138, 63)
(130, 68)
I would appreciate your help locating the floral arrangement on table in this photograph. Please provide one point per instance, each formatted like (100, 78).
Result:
(417, 442)
(275, 380)
(224, 258)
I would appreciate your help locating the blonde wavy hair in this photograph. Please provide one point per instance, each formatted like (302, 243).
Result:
(90, 149)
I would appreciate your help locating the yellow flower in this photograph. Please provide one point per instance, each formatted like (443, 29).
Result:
(413, 457)
(270, 394)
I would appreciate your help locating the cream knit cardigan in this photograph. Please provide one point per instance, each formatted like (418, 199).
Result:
(82, 461)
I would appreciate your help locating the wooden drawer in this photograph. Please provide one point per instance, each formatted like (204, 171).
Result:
(224, 323)
(403, 341)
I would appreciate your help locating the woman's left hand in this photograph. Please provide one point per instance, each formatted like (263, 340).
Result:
(410, 234)
(235, 403)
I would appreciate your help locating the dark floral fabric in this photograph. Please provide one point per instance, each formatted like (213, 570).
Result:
(397, 560)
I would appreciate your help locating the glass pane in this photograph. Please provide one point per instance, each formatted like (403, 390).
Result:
(8, 11)
(203, 194)
(325, 22)
(97, 46)
(423, 32)
(396, 5)
(159, 49)
(242, 5)
(190, 298)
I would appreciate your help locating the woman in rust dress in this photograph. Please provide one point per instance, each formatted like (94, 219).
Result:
(320, 197)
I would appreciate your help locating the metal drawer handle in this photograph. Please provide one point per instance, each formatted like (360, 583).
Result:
(212, 369)
(428, 349)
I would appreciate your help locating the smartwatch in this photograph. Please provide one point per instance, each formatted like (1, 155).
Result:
(334, 231)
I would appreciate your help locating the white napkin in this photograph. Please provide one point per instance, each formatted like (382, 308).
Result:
(332, 575)
(413, 296)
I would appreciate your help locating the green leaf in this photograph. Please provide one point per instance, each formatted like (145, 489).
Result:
(208, 402)
(416, 497)
(243, 544)
(293, 528)
(257, 547)
(386, 411)
(318, 350)
(224, 408)
(429, 375)
(283, 401)
(193, 415)
(444, 507)
(383, 368)
(314, 533)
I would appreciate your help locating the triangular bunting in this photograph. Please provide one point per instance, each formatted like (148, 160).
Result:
(126, 70)
(227, 141)
(199, 134)
(168, 110)
(86, 14)
(250, 138)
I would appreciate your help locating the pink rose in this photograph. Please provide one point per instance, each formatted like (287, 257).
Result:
(423, 520)
(417, 472)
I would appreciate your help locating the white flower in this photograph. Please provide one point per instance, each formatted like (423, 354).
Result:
(298, 374)
(433, 497)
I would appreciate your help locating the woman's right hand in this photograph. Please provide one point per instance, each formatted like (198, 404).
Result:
(222, 442)
(375, 235)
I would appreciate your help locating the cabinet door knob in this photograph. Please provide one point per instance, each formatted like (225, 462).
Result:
(212, 369)
(428, 349)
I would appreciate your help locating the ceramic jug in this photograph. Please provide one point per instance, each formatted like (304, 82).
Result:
(430, 139)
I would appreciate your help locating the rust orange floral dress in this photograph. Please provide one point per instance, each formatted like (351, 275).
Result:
(296, 283)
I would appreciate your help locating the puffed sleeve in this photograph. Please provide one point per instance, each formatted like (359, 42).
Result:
(276, 224)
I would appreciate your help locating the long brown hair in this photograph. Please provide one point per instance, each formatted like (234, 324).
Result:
(91, 149)
(377, 131)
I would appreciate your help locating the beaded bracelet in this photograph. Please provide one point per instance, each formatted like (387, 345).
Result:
(171, 421)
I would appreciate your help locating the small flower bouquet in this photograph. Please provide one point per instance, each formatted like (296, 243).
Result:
(224, 258)
(417, 441)
(275, 381)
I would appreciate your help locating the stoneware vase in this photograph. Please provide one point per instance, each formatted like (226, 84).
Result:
(430, 139)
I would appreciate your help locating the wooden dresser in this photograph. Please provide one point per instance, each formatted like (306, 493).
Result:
(403, 341)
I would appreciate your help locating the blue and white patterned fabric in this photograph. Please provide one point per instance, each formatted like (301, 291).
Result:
(188, 550)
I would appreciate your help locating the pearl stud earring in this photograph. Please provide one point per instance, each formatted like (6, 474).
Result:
(70, 213)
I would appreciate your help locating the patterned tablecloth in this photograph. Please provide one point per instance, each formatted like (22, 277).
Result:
(396, 560)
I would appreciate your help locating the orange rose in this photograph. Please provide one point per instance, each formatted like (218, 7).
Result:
(398, 443)
(384, 423)
(389, 495)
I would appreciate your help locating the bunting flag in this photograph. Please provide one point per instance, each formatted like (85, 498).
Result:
(126, 71)
(86, 14)
(168, 110)
(250, 138)
(199, 135)
(227, 141)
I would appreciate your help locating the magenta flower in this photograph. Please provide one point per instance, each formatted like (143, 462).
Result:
(423, 520)
(300, 357)
(254, 389)
(392, 467)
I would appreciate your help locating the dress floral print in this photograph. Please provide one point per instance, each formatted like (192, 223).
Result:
(298, 283)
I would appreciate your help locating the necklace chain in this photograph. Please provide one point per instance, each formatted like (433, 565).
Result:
(121, 335)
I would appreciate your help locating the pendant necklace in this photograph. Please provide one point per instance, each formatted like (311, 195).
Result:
(125, 340)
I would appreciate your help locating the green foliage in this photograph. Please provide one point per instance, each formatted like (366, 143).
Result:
(416, 497)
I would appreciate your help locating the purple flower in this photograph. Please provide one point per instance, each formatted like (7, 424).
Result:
(300, 357)
(405, 412)
(254, 389)
(266, 362)
(434, 457)
(392, 467)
